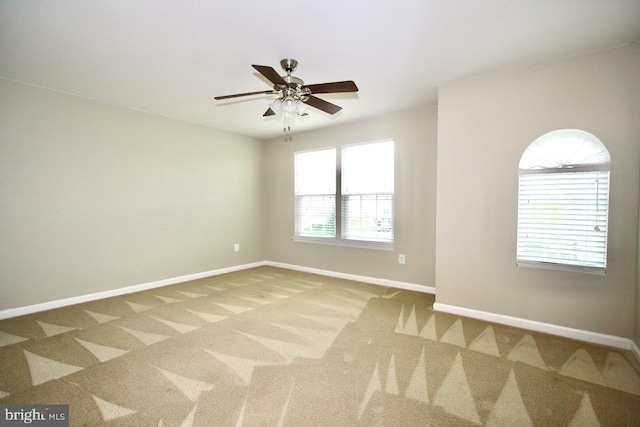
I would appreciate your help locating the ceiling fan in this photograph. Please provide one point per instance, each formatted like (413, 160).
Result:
(294, 95)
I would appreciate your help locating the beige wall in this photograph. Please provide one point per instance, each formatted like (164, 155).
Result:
(415, 136)
(484, 125)
(637, 312)
(95, 197)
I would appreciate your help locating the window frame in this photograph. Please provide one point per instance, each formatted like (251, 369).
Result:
(602, 166)
(339, 239)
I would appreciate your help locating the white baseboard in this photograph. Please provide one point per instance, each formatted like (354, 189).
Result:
(21, 311)
(578, 334)
(357, 278)
(548, 328)
(635, 350)
(49, 305)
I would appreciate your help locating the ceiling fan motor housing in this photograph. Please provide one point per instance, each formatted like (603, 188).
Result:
(289, 65)
(294, 84)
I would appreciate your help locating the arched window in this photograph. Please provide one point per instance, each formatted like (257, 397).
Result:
(563, 202)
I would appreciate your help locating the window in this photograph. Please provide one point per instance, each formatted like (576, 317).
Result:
(346, 196)
(315, 193)
(367, 192)
(563, 202)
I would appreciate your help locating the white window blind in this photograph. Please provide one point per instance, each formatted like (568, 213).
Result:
(315, 193)
(563, 217)
(367, 191)
(563, 202)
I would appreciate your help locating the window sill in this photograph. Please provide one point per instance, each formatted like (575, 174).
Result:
(562, 267)
(362, 244)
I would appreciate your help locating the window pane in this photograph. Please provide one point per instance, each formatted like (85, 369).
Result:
(564, 148)
(368, 168)
(368, 217)
(315, 172)
(316, 216)
(562, 218)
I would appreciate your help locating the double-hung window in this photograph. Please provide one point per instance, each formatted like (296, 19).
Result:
(563, 202)
(345, 196)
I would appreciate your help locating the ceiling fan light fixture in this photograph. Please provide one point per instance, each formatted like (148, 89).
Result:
(289, 104)
(276, 105)
(301, 107)
(294, 97)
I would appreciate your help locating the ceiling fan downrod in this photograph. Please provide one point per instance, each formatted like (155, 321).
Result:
(289, 65)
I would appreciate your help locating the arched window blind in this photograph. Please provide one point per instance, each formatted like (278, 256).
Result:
(563, 202)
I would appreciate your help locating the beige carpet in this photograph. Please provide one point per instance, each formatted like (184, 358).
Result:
(270, 347)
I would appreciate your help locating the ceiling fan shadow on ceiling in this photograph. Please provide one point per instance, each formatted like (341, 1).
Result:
(294, 97)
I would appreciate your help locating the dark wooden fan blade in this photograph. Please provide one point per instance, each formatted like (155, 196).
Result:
(262, 92)
(269, 112)
(270, 74)
(334, 87)
(323, 105)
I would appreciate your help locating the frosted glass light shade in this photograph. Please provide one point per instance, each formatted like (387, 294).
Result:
(289, 104)
(301, 107)
(276, 105)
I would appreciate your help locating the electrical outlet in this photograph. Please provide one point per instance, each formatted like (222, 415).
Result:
(401, 259)
(236, 247)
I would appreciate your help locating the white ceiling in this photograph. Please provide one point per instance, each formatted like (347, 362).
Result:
(171, 57)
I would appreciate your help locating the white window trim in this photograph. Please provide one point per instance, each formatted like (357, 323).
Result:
(363, 244)
(562, 267)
